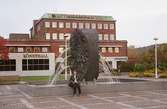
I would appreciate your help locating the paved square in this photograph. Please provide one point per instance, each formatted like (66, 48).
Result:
(12, 98)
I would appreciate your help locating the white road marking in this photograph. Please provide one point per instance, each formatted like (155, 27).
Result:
(8, 87)
(111, 101)
(27, 104)
(26, 95)
(156, 93)
(71, 103)
(144, 98)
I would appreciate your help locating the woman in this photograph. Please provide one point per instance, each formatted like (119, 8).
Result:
(75, 83)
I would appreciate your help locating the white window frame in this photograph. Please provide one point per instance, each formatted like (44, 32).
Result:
(61, 36)
(87, 25)
(106, 37)
(68, 25)
(105, 26)
(47, 36)
(99, 26)
(111, 26)
(74, 25)
(61, 24)
(103, 49)
(81, 25)
(100, 37)
(93, 25)
(112, 37)
(44, 49)
(20, 49)
(54, 36)
(117, 49)
(54, 24)
(61, 49)
(110, 49)
(47, 24)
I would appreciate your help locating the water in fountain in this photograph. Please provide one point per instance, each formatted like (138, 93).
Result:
(107, 69)
(60, 67)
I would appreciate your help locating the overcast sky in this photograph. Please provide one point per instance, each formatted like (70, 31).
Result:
(138, 21)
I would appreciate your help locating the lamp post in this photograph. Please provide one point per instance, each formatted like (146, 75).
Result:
(156, 60)
(65, 60)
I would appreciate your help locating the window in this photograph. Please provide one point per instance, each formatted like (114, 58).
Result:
(111, 36)
(12, 49)
(68, 25)
(45, 49)
(47, 36)
(81, 25)
(105, 36)
(105, 26)
(28, 50)
(99, 26)
(54, 24)
(61, 36)
(93, 26)
(8, 65)
(37, 49)
(47, 24)
(68, 34)
(35, 64)
(54, 36)
(103, 49)
(110, 49)
(111, 26)
(20, 49)
(61, 49)
(116, 50)
(87, 25)
(61, 25)
(74, 25)
(100, 37)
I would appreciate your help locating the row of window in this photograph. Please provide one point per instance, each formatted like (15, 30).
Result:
(110, 49)
(8, 65)
(35, 64)
(79, 25)
(56, 36)
(28, 49)
(102, 49)
(27, 64)
(60, 36)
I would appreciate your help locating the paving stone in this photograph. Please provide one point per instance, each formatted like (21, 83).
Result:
(144, 103)
(124, 99)
(105, 106)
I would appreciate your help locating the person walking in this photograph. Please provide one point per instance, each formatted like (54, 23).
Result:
(75, 83)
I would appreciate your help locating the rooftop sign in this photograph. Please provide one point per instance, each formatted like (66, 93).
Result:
(77, 17)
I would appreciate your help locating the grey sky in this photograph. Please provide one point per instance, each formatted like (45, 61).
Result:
(138, 21)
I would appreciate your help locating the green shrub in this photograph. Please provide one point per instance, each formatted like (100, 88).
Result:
(139, 68)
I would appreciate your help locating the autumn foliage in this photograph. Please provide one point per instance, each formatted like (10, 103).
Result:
(3, 49)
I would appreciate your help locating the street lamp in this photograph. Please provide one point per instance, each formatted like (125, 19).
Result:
(65, 60)
(156, 60)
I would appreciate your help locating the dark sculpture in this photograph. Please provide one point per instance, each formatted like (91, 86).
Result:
(83, 53)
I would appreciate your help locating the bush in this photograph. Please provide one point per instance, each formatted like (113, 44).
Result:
(139, 68)
(163, 75)
(135, 74)
(148, 74)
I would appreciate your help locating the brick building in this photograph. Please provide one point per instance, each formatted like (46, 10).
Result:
(36, 53)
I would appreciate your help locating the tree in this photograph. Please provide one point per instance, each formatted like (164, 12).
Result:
(3, 49)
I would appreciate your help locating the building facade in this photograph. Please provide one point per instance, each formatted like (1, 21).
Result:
(36, 55)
